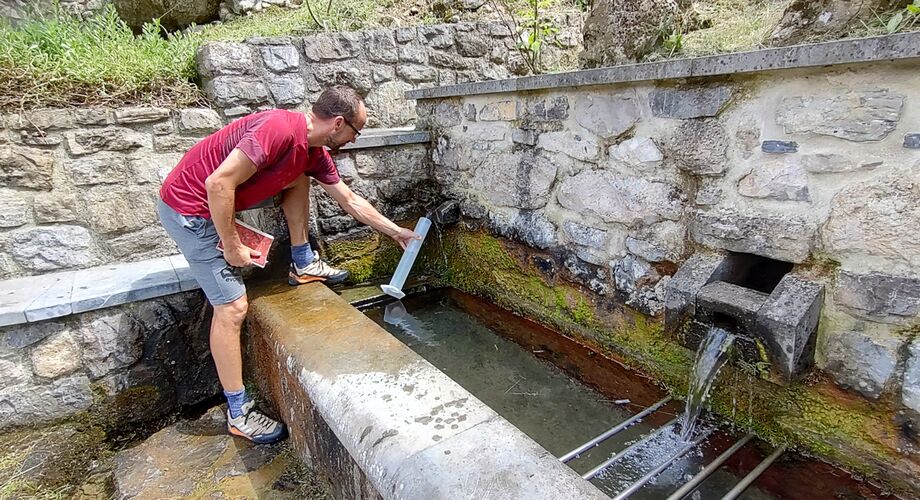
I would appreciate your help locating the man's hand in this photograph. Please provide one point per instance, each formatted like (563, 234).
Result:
(240, 256)
(405, 236)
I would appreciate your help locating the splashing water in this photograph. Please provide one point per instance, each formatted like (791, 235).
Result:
(711, 355)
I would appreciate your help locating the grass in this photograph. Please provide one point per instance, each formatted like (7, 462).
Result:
(737, 25)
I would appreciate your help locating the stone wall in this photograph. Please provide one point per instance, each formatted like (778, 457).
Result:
(290, 72)
(820, 168)
(79, 187)
(158, 348)
(16, 10)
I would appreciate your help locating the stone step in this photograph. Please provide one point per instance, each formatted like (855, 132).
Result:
(198, 459)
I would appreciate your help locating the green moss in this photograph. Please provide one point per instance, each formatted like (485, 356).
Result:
(365, 258)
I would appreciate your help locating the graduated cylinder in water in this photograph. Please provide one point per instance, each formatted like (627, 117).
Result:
(405, 263)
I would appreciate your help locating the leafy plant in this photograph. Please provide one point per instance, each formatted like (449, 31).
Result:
(673, 43)
(532, 28)
(904, 19)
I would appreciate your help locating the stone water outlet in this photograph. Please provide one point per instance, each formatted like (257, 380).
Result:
(773, 311)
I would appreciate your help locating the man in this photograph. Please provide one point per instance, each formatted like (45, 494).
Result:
(244, 163)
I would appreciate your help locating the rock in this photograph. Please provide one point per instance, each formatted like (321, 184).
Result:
(639, 282)
(388, 107)
(526, 137)
(149, 242)
(35, 138)
(54, 207)
(506, 110)
(868, 220)
(380, 46)
(14, 371)
(199, 121)
(416, 73)
(862, 362)
(523, 181)
(287, 90)
(688, 102)
(173, 144)
(87, 141)
(404, 35)
(747, 135)
(622, 199)
(546, 110)
(15, 209)
(213, 464)
(26, 168)
(787, 321)
(910, 393)
(140, 114)
(41, 120)
(345, 74)
(780, 180)
(26, 404)
(787, 238)
(436, 36)
(119, 211)
(854, 116)
(820, 163)
(583, 235)
(97, 169)
(49, 248)
(324, 48)
(281, 58)
(530, 227)
(19, 336)
(592, 276)
(708, 192)
(453, 61)
(412, 53)
(806, 20)
(110, 340)
(173, 14)
(232, 91)
(699, 147)
(224, 58)
(607, 116)
(471, 44)
(636, 152)
(572, 144)
(661, 242)
(912, 141)
(93, 116)
(56, 356)
(639, 27)
(153, 169)
(879, 297)
(779, 146)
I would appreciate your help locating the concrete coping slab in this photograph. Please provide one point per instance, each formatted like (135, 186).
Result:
(38, 298)
(860, 50)
(385, 137)
(412, 430)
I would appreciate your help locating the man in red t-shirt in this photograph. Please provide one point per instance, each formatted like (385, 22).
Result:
(235, 168)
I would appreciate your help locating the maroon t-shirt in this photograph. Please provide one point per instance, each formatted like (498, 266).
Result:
(275, 140)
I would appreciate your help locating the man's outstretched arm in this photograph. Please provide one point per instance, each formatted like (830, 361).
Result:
(364, 212)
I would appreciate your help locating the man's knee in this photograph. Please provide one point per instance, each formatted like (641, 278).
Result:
(234, 311)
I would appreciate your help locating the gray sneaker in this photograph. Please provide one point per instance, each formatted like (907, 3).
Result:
(255, 426)
(315, 271)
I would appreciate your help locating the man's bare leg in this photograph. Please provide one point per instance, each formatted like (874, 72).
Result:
(225, 343)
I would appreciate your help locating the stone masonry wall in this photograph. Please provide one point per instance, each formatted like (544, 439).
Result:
(820, 168)
(291, 72)
(53, 369)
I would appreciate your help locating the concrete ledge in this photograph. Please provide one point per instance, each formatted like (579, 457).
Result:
(37, 298)
(380, 420)
(861, 50)
(383, 137)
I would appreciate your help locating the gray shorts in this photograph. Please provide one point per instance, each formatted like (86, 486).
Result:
(197, 240)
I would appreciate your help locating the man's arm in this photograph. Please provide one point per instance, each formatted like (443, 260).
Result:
(221, 188)
(364, 212)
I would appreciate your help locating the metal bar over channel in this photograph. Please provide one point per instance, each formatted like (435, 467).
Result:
(754, 474)
(664, 465)
(595, 471)
(614, 431)
(709, 469)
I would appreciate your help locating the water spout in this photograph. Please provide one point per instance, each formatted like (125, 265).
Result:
(710, 357)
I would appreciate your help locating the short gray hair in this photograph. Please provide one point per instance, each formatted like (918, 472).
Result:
(339, 100)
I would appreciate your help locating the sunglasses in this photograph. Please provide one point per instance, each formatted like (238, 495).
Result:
(357, 132)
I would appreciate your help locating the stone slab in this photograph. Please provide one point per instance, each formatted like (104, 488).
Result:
(378, 138)
(861, 50)
(16, 295)
(788, 322)
(680, 292)
(186, 280)
(109, 286)
(734, 301)
(56, 300)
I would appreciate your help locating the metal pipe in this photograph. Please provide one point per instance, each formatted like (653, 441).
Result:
(595, 471)
(754, 474)
(709, 469)
(613, 431)
(664, 465)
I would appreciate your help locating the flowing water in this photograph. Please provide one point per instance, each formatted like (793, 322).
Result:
(468, 340)
(710, 357)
